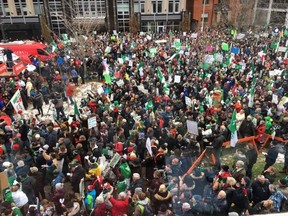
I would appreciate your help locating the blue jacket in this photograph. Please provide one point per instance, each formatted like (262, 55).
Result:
(278, 197)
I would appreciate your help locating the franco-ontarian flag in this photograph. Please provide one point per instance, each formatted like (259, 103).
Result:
(233, 130)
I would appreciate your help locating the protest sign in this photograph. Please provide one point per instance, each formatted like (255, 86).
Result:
(114, 161)
(225, 46)
(282, 49)
(148, 146)
(235, 50)
(177, 79)
(3, 68)
(194, 35)
(209, 59)
(19, 67)
(188, 101)
(92, 122)
(192, 127)
(16, 101)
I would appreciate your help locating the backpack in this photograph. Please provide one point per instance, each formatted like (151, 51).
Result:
(146, 210)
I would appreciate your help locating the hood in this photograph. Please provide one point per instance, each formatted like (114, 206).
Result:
(162, 196)
(143, 202)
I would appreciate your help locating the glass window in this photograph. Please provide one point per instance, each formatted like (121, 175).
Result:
(176, 7)
(205, 2)
(136, 7)
(159, 9)
(170, 7)
(154, 6)
(142, 6)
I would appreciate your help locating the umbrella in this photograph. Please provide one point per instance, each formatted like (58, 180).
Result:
(7, 119)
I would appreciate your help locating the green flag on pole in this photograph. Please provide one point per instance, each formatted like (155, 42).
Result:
(107, 78)
(233, 130)
(149, 105)
(76, 110)
(160, 75)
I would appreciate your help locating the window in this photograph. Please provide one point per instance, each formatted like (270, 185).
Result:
(173, 6)
(159, 9)
(243, 1)
(41, 52)
(157, 6)
(142, 6)
(205, 2)
(170, 7)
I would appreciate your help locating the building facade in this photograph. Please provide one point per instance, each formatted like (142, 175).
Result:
(19, 18)
(159, 15)
(271, 12)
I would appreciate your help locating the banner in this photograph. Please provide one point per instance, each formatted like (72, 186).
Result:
(3, 68)
(16, 101)
(92, 122)
(19, 67)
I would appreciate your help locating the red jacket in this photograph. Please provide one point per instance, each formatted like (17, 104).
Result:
(100, 210)
(119, 206)
(69, 90)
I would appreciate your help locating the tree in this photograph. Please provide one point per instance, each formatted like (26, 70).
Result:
(81, 28)
(133, 24)
(186, 22)
(45, 30)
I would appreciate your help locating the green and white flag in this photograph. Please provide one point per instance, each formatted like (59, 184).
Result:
(233, 130)
(149, 105)
(160, 75)
(76, 110)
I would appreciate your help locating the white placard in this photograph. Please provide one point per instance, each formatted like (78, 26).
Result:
(192, 127)
(275, 98)
(184, 34)
(100, 90)
(188, 101)
(209, 59)
(282, 49)
(194, 35)
(120, 83)
(130, 63)
(92, 122)
(148, 146)
(177, 79)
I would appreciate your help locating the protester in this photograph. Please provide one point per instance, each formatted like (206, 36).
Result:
(157, 106)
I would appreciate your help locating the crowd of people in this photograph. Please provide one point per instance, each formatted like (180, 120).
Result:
(137, 159)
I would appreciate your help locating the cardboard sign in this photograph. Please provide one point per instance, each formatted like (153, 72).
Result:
(192, 127)
(18, 68)
(16, 101)
(3, 68)
(92, 122)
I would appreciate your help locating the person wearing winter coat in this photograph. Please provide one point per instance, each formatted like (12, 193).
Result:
(260, 189)
(77, 175)
(28, 187)
(220, 204)
(38, 102)
(263, 207)
(100, 209)
(40, 182)
(90, 198)
(251, 155)
(70, 92)
(164, 211)
(277, 197)
(162, 197)
(119, 206)
(271, 156)
(140, 204)
(247, 127)
(239, 172)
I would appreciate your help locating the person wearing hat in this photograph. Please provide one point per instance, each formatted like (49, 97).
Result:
(242, 196)
(162, 197)
(283, 185)
(90, 198)
(40, 182)
(19, 197)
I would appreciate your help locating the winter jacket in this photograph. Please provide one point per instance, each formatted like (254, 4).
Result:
(100, 210)
(138, 211)
(219, 207)
(278, 197)
(38, 100)
(69, 90)
(119, 207)
(161, 198)
(247, 128)
(260, 191)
